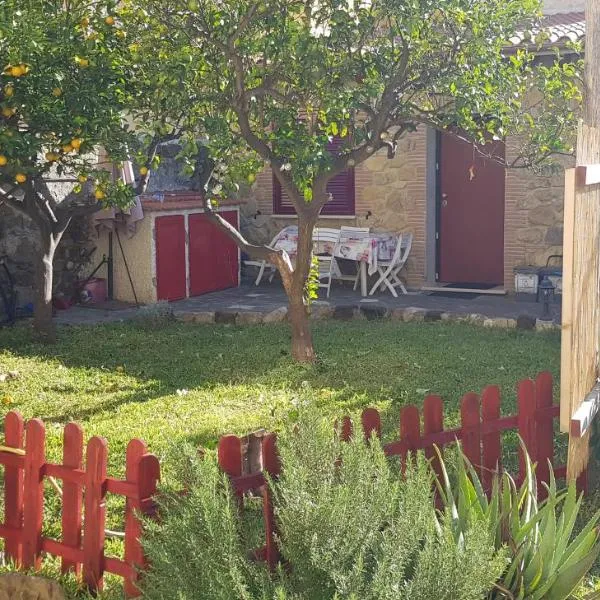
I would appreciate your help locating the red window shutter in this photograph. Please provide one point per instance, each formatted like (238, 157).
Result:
(341, 187)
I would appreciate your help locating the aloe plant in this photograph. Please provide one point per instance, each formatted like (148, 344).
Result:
(545, 560)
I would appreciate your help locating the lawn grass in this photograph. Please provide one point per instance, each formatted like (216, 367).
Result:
(195, 382)
(191, 383)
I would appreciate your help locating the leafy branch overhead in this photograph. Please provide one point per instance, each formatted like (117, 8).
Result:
(272, 82)
(66, 85)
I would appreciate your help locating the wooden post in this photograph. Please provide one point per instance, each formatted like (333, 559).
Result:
(491, 441)
(33, 508)
(433, 422)
(72, 494)
(471, 429)
(95, 514)
(410, 431)
(526, 421)
(13, 486)
(272, 466)
(143, 470)
(581, 262)
(544, 431)
(371, 423)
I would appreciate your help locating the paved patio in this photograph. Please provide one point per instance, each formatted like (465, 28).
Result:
(343, 301)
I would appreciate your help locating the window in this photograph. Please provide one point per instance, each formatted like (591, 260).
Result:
(341, 187)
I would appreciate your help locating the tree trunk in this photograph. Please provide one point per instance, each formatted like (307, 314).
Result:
(302, 343)
(44, 271)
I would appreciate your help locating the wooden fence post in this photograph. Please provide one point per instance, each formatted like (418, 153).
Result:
(491, 441)
(229, 456)
(526, 421)
(471, 429)
(13, 487)
(33, 508)
(95, 514)
(544, 431)
(142, 470)
(433, 422)
(72, 494)
(410, 431)
(272, 466)
(371, 423)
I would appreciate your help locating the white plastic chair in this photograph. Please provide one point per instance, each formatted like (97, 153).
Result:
(263, 264)
(327, 265)
(389, 269)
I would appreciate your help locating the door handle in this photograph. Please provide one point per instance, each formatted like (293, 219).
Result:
(444, 200)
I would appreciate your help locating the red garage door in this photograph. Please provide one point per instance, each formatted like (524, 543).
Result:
(170, 257)
(214, 263)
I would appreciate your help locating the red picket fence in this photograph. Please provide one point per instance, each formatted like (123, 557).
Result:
(82, 545)
(480, 434)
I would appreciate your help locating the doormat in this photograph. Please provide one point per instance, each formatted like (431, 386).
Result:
(471, 286)
(457, 295)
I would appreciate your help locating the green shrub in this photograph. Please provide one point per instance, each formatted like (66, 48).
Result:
(348, 530)
(546, 560)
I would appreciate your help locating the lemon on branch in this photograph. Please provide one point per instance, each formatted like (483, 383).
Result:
(20, 178)
(3, 160)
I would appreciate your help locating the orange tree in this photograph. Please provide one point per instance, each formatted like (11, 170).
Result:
(270, 82)
(66, 82)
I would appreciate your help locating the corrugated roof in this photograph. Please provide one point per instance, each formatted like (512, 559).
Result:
(556, 30)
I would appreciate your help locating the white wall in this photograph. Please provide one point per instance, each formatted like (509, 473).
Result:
(561, 6)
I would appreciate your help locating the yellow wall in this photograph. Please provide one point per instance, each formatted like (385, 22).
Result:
(138, 251)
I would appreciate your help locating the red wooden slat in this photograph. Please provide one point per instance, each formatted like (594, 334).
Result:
(471, 426)
(433, 422)
(371, 423)
(33, 507)
(526, 420)
(346, 429)
(491, 441)
(67, 474)
(544, 431)
(14, 534)
(69, 553)
(229, 453)
(271, 465)
(72, 494)
(13, 486)
(118, 567)
(123, 488)
(95, 514)
(8, 459)
(143, 471)
(410, 431)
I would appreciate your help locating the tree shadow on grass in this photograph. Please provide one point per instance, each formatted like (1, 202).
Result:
(383, 364)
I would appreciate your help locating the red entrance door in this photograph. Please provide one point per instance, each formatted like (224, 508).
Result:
(170, 257)
(214, 261)
(471, 214)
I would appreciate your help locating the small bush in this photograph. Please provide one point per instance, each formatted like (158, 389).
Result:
(348, 530)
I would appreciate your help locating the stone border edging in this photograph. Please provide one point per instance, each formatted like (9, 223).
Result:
(369, 312)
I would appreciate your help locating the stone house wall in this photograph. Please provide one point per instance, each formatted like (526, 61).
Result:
(18, 242)
(395, 192)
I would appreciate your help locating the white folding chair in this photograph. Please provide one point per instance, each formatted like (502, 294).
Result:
(263, 264)
(327, 265)
(389, 269)
(347, 232)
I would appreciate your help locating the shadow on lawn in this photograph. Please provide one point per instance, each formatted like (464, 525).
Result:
(361, 363)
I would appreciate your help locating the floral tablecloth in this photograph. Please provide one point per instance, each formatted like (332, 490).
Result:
(369, 249)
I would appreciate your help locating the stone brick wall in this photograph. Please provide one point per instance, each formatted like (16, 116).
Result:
(18, 241)
(533, 222)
